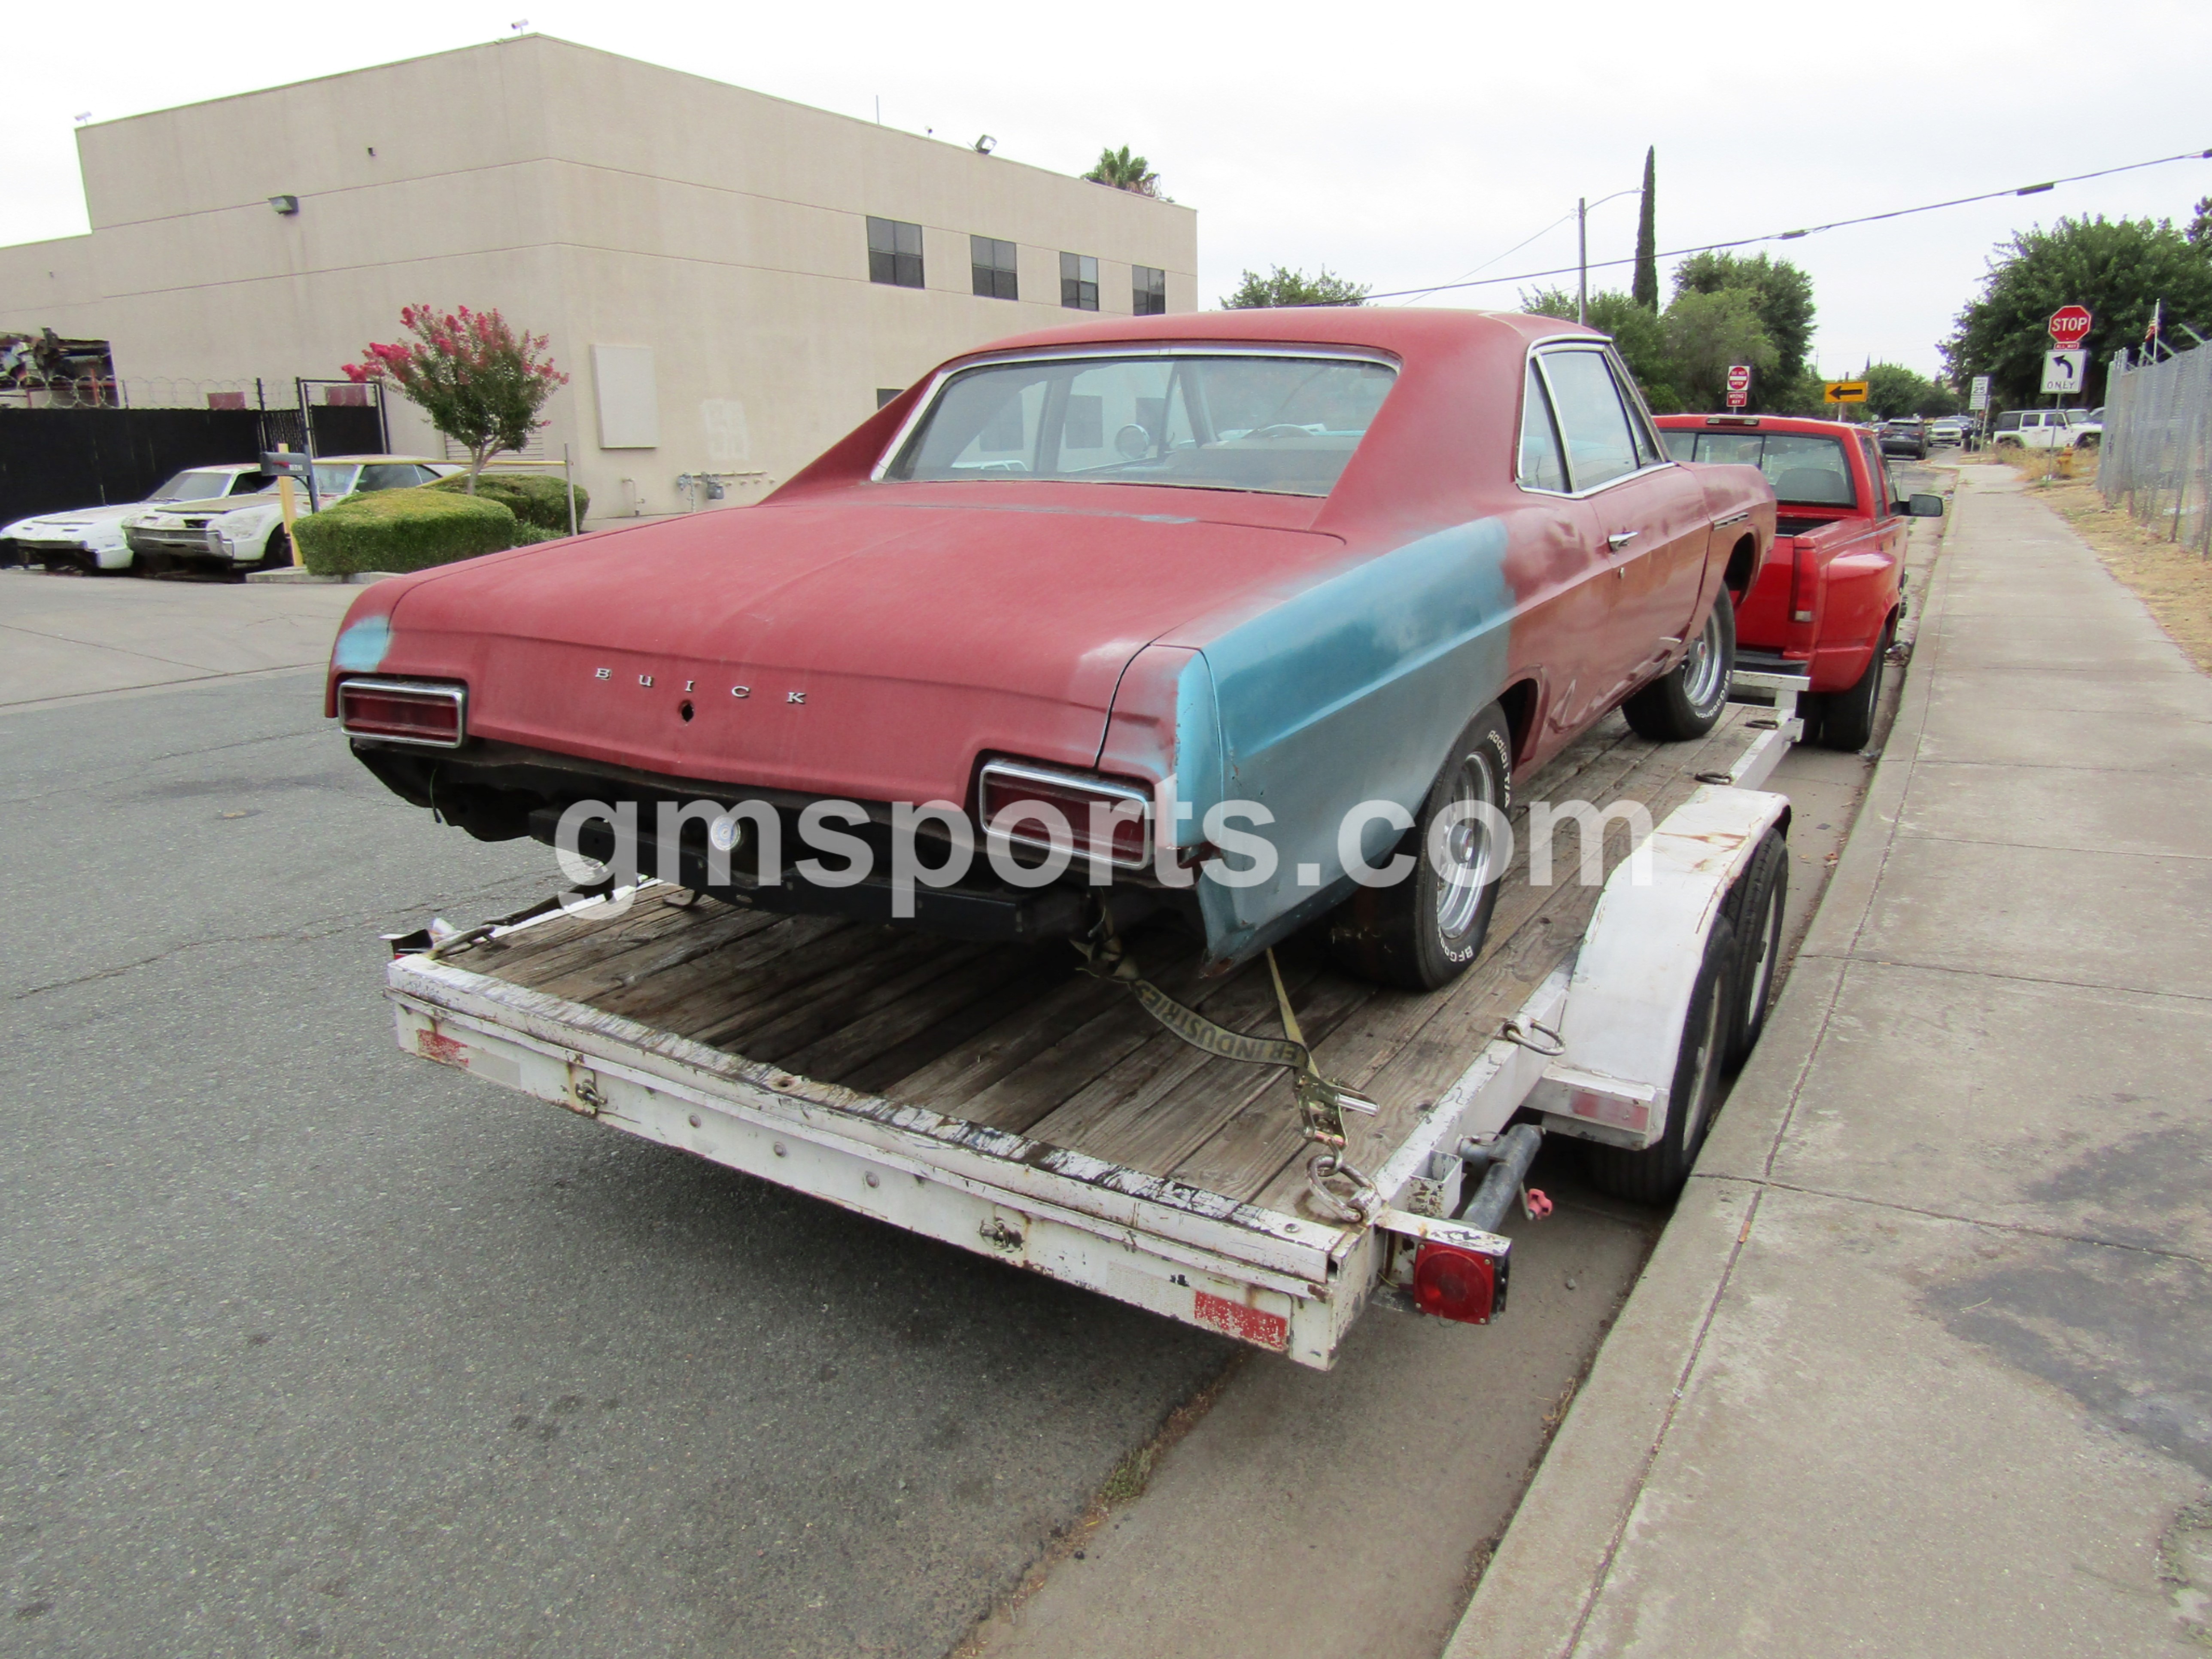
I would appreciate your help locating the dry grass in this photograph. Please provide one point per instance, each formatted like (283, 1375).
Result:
(2174, 582)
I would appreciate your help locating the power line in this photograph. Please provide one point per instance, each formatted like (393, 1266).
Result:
(1793, 235)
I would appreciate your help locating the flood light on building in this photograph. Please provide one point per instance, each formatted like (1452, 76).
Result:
(986, 144)
(285, 205)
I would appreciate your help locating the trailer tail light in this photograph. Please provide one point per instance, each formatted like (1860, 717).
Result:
(428, 712)
(1459, 1284)
(1100, 818)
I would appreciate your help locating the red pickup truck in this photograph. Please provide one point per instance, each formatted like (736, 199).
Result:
(1825, 601)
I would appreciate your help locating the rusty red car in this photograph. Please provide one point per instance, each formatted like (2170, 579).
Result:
(1826, 601)
(1217, 614)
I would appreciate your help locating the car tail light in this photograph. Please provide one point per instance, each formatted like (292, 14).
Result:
(1102, 815)
(404, 711)
(1459, 1284)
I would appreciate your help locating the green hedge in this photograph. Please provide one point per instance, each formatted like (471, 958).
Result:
(402, 530)
(537, 498)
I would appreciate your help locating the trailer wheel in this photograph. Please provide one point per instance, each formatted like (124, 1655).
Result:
(1755, 909)
(1686, 701)
(1655, 1174)
(1421, 933)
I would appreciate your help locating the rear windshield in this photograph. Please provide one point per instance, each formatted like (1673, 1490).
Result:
(1285, 424)
(1805, 471)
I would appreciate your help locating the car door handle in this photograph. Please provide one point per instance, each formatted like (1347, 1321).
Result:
(1620, 538)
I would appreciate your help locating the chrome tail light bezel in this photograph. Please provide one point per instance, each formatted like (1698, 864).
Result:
(441, 691)
(1085, 785)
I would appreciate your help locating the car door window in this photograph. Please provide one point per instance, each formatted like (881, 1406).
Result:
(1540, 467)
(1648, 453)
(1592, 421)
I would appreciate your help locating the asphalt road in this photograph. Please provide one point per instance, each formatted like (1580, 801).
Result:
(308, 1346)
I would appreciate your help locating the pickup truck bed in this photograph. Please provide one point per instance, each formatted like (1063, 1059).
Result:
(1042, 1115)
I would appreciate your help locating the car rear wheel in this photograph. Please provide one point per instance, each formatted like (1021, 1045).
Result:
(1846, 717)
(1655, 1174)
(1422, 933)
(1684, 704)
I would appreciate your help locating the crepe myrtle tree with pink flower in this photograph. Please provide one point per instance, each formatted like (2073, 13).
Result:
(480, 381)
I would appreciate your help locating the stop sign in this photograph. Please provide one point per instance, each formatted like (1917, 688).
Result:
(2069, 326)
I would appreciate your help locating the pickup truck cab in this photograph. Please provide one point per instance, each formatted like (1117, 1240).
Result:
(1825, 601)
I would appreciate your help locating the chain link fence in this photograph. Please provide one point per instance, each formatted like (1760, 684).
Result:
(2156, 459)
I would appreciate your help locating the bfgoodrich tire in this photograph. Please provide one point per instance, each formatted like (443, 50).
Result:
(1655, 1174)
(1421, 933)
(1684, 702)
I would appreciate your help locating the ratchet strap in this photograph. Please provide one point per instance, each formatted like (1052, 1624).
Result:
(1322, 1103)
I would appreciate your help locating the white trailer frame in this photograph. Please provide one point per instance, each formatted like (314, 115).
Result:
(1591, 1052)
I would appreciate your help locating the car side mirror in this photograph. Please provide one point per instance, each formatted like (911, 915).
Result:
(1924, 507)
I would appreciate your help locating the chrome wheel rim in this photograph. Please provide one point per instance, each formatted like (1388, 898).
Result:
(1702, 670)
(1465, 869)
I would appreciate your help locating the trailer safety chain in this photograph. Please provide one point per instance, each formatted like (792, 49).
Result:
(1322, 1103)
(1359, 1201)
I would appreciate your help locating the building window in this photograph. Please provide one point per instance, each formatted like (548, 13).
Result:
(888, 394)
(1148, 291)
(893, 252)
(1079, 281)
(992, 263)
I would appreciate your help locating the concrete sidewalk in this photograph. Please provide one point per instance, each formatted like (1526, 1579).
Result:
(1923, 1363)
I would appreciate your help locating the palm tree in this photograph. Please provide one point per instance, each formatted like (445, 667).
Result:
(1123, 171)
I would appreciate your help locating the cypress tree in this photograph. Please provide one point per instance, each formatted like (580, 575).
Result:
(1646, 288)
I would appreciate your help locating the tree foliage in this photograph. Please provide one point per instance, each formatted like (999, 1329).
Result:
(2120, 269)
(1782, 299)
(1645, 285)
(1294, 287)
(481, 383)
(1123, 171)
(1708, 332)
(1892, 389)
(1640, 337)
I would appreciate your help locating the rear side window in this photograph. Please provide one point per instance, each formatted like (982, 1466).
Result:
(1600, 442)
(1541, 467)
(2009, 421)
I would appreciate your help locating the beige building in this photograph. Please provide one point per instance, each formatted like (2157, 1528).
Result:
(730, 280)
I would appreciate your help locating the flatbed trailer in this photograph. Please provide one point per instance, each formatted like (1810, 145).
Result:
(996, 1097)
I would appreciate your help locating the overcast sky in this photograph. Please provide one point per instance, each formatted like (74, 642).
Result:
(1398, 144)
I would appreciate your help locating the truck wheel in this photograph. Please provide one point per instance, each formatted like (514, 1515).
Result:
(1655, 1174)
(1686, 702)
(1847, 716)
(1421, 933)
(1754, 909)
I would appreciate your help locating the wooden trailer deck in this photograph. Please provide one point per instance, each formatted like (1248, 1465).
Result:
(1014, 1038)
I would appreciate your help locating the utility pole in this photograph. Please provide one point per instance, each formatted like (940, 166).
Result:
(1582, 260)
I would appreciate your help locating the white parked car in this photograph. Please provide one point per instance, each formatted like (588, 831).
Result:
(1950, 429)
(2046, 429)
(227, 533)
(91, 537)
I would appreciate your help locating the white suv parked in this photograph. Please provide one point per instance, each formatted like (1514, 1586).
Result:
(2046, 429)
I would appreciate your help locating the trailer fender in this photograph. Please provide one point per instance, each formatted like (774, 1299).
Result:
(1630, 992)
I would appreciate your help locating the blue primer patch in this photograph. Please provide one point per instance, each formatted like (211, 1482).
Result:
(362, 647)
(1353, 691)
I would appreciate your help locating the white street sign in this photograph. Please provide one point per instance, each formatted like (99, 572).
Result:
(2062, 371)
(1980, 397)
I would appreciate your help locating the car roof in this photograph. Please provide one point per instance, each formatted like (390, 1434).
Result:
(1401, 331)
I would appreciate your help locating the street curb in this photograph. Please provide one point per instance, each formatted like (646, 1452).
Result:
(1540, 1585)
(300, 576)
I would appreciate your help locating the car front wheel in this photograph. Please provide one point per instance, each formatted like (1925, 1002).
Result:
(1684, 702)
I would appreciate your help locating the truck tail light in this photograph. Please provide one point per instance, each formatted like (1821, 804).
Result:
(428, 712)
(1459, 1284)
(1103, 816)
(1804, 582)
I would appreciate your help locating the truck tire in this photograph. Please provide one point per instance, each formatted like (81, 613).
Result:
(1422, 933)
(1684, 702)
(1846, 717)
(1655, 1174)
(1754, 909)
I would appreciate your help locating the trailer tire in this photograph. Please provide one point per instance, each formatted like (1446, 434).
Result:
(1755, 909)
(1421, 933)
(1655, 1175)
(1685, 701)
